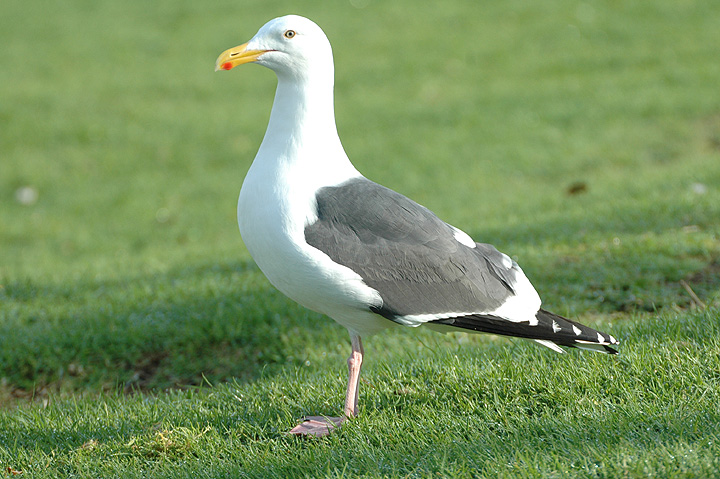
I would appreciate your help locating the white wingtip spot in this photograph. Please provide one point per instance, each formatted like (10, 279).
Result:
(576, 330)
(601, 338)
(556, 327)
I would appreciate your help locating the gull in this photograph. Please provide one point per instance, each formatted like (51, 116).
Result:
(349, 248)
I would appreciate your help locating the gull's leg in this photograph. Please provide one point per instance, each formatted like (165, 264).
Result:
(319, 426)
(354, 364)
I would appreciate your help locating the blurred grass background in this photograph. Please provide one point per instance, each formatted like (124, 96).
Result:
(580, 137)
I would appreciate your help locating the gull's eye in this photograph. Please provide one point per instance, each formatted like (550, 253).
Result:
(289, 33)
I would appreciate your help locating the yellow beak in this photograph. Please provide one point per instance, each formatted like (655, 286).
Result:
(233, 57)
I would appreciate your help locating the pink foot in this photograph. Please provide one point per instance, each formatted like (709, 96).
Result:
(317, 426)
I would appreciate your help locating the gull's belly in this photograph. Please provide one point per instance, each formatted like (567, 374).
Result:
(300, 271)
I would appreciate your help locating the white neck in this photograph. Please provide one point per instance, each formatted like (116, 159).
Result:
(301, 109)
(302, 127)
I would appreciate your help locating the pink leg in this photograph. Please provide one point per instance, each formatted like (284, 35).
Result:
(354, 364)
(319, 426)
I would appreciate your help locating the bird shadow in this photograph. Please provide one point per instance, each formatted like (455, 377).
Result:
(183, 328)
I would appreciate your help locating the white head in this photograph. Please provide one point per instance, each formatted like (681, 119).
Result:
(292, 46)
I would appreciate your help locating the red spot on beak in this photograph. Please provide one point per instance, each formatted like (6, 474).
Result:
(226, 66)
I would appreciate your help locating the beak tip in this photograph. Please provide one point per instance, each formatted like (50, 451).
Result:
(223, 66)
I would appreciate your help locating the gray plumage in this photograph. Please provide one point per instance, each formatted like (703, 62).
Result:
(415, 262)
(406, 253)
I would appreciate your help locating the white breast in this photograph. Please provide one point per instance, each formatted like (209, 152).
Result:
(275, 205)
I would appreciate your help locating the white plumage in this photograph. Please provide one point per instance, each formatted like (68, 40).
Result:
(346, 247)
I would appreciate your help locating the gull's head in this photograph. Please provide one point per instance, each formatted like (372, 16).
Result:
(290, 46)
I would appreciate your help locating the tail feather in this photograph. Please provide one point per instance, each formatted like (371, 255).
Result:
(550, 330)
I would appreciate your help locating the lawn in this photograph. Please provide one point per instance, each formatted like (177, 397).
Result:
(138, 338)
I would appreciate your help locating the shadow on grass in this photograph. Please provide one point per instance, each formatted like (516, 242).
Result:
(174, 330)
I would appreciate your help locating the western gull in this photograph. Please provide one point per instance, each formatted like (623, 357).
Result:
(360, 253)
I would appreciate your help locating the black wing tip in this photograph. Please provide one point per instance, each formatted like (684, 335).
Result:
(550, 328)
(586, 336)
(601, 348)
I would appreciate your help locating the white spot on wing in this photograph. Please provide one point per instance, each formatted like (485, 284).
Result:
(576, 330)
(601, 338)
(507, 261)
(556, 327)
(524, 305)
(462, 237)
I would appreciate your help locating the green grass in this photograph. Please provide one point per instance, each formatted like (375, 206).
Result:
(479, 408)
(138, 339)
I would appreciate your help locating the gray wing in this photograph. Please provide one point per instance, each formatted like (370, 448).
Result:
(406, 253)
